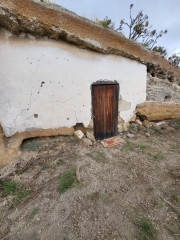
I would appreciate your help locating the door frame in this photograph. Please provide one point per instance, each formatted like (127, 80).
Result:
(98, 83)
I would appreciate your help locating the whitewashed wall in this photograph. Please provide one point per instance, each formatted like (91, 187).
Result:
(53, 79)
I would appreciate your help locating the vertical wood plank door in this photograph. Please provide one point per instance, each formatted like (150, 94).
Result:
(105, 109)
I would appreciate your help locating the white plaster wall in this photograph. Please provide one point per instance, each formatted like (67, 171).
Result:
(65, 96)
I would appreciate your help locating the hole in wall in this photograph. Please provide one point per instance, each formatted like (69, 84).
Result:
(168, 97)
(32, 144)
(80, 126)
(42, 84)
(35, 115)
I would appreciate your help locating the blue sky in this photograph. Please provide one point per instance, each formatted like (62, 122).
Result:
(163, 14)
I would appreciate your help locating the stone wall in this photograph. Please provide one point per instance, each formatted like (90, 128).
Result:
(161, 90)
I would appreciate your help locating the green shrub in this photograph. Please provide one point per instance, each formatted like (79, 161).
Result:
(67, 181)
(14, 189)
(147, 229)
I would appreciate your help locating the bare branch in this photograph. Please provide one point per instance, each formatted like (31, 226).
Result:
(139, 29)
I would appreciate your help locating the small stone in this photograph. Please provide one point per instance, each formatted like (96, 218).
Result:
(90, 126)
(133, 118)
(125, 127)
(138, 122)
(120, 128)
(90, 136)
(147, 134)
(160, 123)
(59, 147)
(141, 128)
(79, 134)
(130, 135)
(87, 142)
(147, 124)
(4, 203)
(39, 231)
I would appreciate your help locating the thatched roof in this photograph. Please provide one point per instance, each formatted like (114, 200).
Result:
(55, 22)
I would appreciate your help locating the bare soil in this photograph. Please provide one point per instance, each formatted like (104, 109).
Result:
(115, 188)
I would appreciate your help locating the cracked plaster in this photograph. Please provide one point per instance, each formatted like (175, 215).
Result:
(53, 80)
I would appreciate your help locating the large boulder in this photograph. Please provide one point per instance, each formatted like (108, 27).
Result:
(158, 111)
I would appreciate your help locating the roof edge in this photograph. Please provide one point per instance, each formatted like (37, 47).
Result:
(57, 23)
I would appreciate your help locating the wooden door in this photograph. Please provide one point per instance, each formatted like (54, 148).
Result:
(105, 109)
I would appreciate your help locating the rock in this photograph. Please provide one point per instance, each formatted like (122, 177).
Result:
(59, 147)
(125, 127)
(161, 90)
(130, 135)
(133, 118)
(79, 134)
(4, 203)
(160, 123)
(87, 142)
(138, 122)
(158, 111)
(80, 126)
(141, 128)
(147, 124)
(120, 128)
(120, 124)
(90, 136)
(90, 126)
(147, 134)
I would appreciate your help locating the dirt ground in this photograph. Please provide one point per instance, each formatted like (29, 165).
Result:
(129, 191)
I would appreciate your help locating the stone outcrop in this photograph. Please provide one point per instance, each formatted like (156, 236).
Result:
(161, 90)
(158, 111)
(23, 17)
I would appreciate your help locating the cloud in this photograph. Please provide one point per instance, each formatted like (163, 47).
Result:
(162, 14)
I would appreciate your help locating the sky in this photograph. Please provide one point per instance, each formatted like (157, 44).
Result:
(163, 14)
